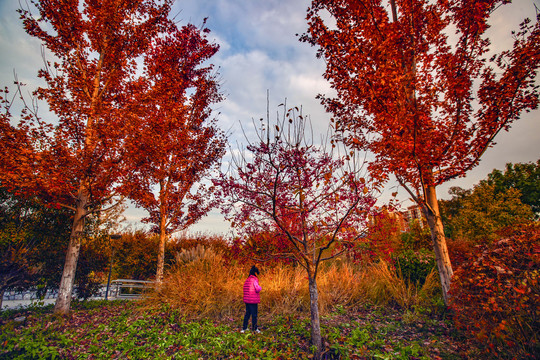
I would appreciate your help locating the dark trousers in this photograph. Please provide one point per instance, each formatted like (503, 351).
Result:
(251, 310)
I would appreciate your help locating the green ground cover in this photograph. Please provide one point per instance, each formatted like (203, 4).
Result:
(126, 330)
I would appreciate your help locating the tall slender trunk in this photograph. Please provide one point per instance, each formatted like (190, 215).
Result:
(2, 290)
(63, 301)
(433, 216)
(161, 253)
(316, 339)
(65, 291)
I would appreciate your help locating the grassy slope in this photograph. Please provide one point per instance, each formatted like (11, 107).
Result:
(128, 331)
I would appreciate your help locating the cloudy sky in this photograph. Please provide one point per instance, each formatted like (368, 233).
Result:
(259, 51)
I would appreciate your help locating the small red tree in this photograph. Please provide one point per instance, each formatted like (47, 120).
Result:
(310, 196)
(426, 107)
(76, 162)
(383, 236)
(175, 143)
(265, 246)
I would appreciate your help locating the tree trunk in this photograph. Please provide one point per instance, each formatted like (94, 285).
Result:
(161, 253)
(2, 296)
(433, 216)
(63, 301)
(316, 340)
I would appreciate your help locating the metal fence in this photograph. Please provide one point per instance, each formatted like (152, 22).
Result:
(128, 289)
(118, 289)
(12, 295)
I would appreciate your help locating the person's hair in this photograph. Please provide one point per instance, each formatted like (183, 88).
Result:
(254, 271)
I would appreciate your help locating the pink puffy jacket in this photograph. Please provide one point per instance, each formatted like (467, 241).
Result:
(252, 290)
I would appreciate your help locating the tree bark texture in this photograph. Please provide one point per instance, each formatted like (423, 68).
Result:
(433, 216)
(316, 340)
(161, 252)
(63, 301)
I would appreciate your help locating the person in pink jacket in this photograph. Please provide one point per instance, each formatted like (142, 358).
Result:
(252, 298)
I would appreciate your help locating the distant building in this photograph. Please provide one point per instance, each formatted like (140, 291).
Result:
(413, 213)
(403, 218)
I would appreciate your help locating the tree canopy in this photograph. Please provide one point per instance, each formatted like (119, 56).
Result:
(425, 102)
(93, 86)
(477, 215)
(173, 142)
(524, 177)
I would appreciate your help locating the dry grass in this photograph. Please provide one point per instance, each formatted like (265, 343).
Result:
(285, 290)
(206, 287)
(382, 285)
(339, 284)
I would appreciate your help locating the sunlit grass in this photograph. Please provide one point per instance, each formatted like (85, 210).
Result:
(208, 287)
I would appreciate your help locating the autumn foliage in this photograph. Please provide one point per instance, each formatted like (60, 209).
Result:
(76, 161)
(131, 96)
(313, 197)
(495, 295)
(418, 85)
(263, 246)
(173, 141)
(383, 237)
(401, 77)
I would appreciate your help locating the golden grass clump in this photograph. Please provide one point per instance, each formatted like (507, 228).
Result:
(383, 285)
(185, 256)
(208, 287)
(202, 285)
(338, 284)
(285, 290)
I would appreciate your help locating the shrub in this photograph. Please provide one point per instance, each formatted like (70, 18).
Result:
(135, 255)
(418, 237)
(460, 251)
(495, 296)
(383, 237)
(267, 246)
(415, 265)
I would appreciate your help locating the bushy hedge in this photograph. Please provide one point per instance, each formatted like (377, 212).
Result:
(415, 265)
(495, 295)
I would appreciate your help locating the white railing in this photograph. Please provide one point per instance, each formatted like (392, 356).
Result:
(128, 289)
(117, 289)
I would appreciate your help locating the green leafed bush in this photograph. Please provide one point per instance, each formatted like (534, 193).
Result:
(415, 265)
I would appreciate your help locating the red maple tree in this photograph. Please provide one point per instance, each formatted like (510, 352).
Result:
(76, 161)
(426, 105)
(310, 196)
(174, 142)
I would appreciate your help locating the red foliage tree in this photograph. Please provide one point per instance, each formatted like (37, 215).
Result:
(426, 108)
(310, 197)
(383, 236)
(174, 142)
(269, 246)
(76, 161)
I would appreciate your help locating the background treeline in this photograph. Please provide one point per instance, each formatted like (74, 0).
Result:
(33, 235)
